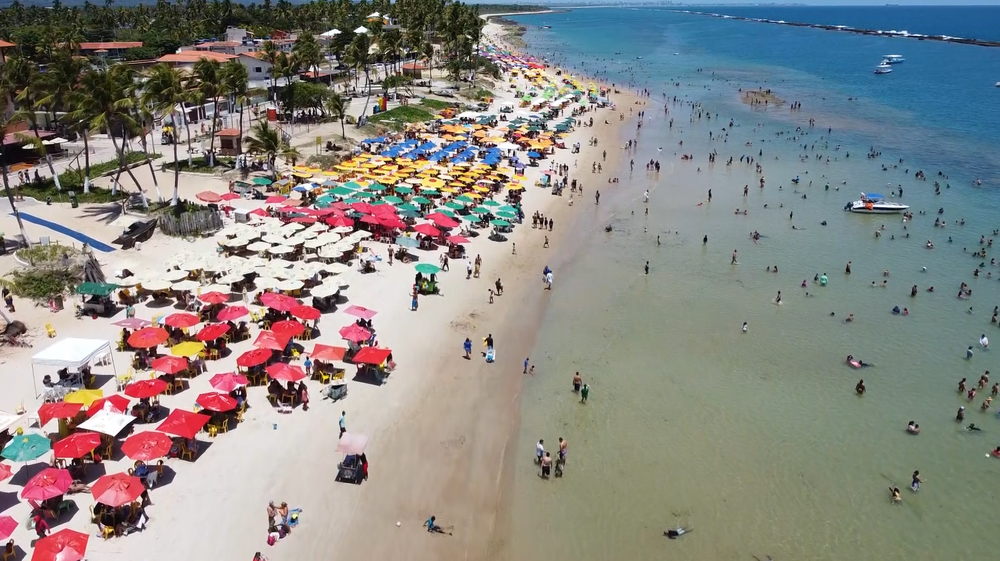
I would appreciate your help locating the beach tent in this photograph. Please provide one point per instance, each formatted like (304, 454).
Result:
(72, 353)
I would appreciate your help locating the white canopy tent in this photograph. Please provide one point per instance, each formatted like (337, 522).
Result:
(72, 352)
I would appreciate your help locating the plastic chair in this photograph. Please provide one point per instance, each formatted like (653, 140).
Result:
(187, 453)
(324, 377)
(108, 532)
(50, 330)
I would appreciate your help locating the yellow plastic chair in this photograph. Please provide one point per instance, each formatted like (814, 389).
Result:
(50, 330)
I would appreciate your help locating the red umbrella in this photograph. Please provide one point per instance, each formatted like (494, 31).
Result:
(145, 388)
(7, 527)
(360, 311)
(147, 446)
(117, 489)
(183, 423)
(230, 197)
(4, 471)
(391, 222)
(326, 352)
(181, 320)
(383, 210)
(50, 482)
(212, 331)
(214, 298)
(64, 545)
(208, 197)
(274, 199)
(60, 410)
(76, 445)
(148, 337)
(285, 372)
(230, 313)
(371, 355)
(287, 329)
(228, 382)
(218, 402)
(369, 219)
(259, 212)
(304, 219)
(305, 312)
(355, 333)
(271, 340)
(278, 302)
(458, 239)
(169, 364)
(117, 403)
(427, 230)
(253, 357)
(363, 207)
(340, 205)
(340, 221)
(442, 220)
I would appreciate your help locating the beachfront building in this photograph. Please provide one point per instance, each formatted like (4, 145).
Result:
(108, 50)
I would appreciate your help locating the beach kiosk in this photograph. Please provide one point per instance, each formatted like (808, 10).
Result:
(73, 358)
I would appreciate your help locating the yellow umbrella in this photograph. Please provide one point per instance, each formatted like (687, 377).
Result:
(449, 190)
(300, 168)
(330, 172)
(187, 348)
(474, 195)
(302, 175)
(515, 187)
(313, 170)
(86, 397)
(481, 189)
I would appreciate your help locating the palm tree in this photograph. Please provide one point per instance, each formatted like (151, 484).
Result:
(164, 90)
(270, 142)
(336, 106)
(208, 76)
(20, 79)
(4, 125)
(269, 53)
(308, 52)
(236, 83)
(427, 50)
(359, 58)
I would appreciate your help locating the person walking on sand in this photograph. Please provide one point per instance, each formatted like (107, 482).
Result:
(467, 346)
(525, 366)
(343, 424)
(546, 244)
(499, 286)
(479, 263)
(597, 198)
(539, 450)
(468, 270)
(577, 382)
(647, 267)
(584, 393)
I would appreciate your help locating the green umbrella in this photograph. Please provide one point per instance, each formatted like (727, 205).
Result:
(392, 199)
(506, 215)
(365, 195)
(407, 213)
(378, 202)
(479, 210)
(377, 187)
(27, 447)
(471, 218)
(341, 192)
(507, 208)
(429, 189)
(351, 201)
(403, 189)
(454, 205)
(352, 185)
(446, 212)
(261, 181)
(499, 223)
(324, 202)
(427, 269)
(491, 202)
(408, 206)
(464, 198)
(421, 200)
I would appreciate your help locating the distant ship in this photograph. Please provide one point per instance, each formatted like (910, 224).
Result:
(892, 59)
(546, 27)
(883, 69)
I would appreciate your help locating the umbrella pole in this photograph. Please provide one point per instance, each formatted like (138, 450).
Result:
(34, 382)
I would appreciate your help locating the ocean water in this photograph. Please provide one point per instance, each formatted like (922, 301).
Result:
(758, 440)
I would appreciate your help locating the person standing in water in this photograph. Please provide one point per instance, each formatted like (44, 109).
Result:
(744, 327)
(577, 382)
(584, 393)
(733, 262)
(860, 388)
(647, 267)
(915, 483)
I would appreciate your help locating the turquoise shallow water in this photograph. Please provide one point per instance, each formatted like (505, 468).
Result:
(758, 440)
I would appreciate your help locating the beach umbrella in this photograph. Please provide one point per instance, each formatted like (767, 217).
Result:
(270, 340)
(148, 337)
(218, 402)
(491, 202)
(64, 545)
(230, 313)
(86, 397)
(145, 388)
(407, 242)
(187, 348)
(132, 323)
(58, 410)
(261, 181)
(427, 269)
(427, 230)
(26, 447)
(228, 382)
(371, 355)
(360, 311)
(355, 333)
(117, 489)
(392, 222)
(454, 205)
(287, 329)
(107, 422)
(327, 352)
(253, 357)
(146, 446)
(212, 332)
(278, 302)
(76, 445)
(184, 424)
(114, 403)
(7, 527)
(352, 443)
(471, 218)
(48, 483)
(181, 320)
(479, 210)
(275, 199)
(458, 239)
(5, 471)
(305, 312)
(259, 246)
(208, 197)
(421, 200)
(502, 223)
(230, 197)
(169, 364)
(214, 298)
(442, 220)
(285, 372)
(391, 199)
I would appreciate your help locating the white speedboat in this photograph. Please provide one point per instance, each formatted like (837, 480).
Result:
(873, 203)
(883, 69)
(892, 59)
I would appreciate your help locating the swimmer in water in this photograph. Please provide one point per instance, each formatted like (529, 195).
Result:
(677, 532)
(973, 428)
(860, 388)
(894, 492)
(913, 428)
(960, 416)
(744, 327)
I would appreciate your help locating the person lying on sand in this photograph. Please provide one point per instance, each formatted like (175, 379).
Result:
(433, 527)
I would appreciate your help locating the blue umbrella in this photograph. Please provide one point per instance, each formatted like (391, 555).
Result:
(407, 242)
(534, 155)
(27, 447)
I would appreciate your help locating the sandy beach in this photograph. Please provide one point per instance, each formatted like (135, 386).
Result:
(440, 427)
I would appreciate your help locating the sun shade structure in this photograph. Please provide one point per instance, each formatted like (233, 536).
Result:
(72, 353)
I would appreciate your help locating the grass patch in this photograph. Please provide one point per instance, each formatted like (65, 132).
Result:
(55, 269)
(200, 165)
(436, 104)
(397, 117)
(482, 94)
(72, 180)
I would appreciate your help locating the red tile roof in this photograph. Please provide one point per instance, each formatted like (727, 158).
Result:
(5, 44)
(195, 56)
(228, 132)
(110, 45)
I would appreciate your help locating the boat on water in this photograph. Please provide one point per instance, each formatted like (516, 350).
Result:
(892, 59)
(883, 69)
(873, 203)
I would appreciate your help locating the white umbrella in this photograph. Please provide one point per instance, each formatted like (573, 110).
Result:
(336, 268)
(343, 229)
(185, 285)
(361, 29)
(259, 246)
(266, 282)
(315, 242)
(297, 239)
(331, 33)
(173, 275)
(229, 279)
(308, 234)
(236, 242)
(280, 250)
(330, 252)
(274, 238)
(290, 284)
(324, 290)
(107, 422)
(156, 284)
(293, 227)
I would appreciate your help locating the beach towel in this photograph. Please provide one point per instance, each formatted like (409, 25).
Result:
(293, 517)
(490, 354)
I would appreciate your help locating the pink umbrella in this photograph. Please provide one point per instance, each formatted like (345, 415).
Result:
(288, 329)
(355, 333)
(230, 197)
(285, 372)
(274, 199)
(278, 302)
(132, 323)
(230, 313)
(392, 222)
(458, 239)
(442, 220)
(208, 197)
(340, 221)
(360, 311)
(228, 381)
(7, 527)
(50, 482)
(271, 340)
(369, 219)
(305, 312)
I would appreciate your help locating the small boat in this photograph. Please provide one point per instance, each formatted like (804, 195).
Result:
(873, 203)
(892, 59)
(883, 69)
(997, 85)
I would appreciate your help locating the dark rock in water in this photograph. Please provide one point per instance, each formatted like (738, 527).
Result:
(823, 223)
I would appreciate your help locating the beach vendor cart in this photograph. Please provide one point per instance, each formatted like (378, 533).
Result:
(336, 390)
(355, 465)
(96, 299)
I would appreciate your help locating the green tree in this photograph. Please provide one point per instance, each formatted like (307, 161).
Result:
(165, 89)
(5, 124)
(208, 77)
(236, 82)
(270, 143)
(336, 106)
(20, 80)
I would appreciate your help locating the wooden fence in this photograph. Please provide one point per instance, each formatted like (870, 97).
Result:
(191, 223)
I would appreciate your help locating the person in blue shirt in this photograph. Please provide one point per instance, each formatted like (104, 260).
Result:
(468, 348)
(433, 527)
